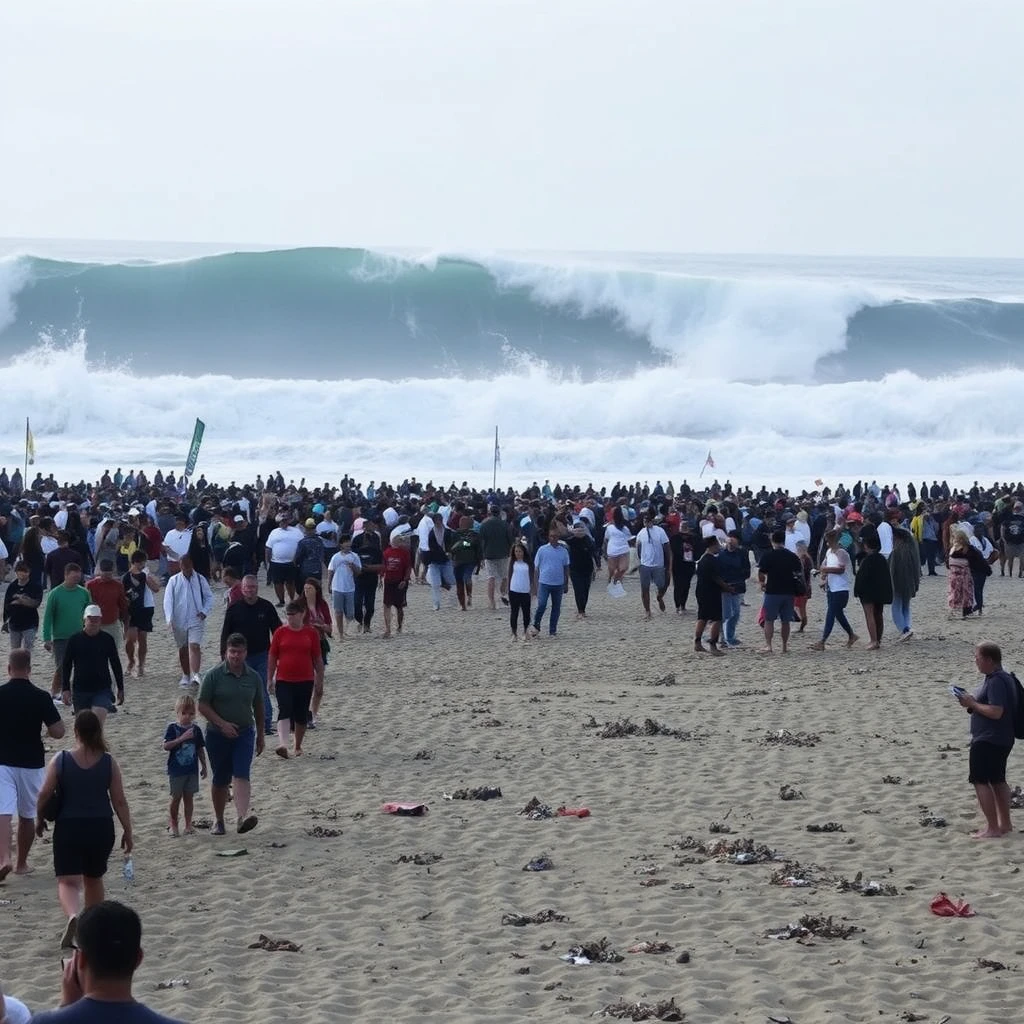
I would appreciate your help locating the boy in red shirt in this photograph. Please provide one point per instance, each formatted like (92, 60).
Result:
(295, 670)
(108, 592)
(397, 573)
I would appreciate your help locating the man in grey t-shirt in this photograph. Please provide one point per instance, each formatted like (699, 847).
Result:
(991, 707)
(496, 542)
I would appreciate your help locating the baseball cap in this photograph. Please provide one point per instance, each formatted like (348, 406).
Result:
(239, 519)
(310, 524)
(92, 611)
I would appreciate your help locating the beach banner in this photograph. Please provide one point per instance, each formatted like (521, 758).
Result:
(193, 452)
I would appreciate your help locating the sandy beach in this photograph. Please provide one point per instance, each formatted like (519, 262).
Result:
(453, 703)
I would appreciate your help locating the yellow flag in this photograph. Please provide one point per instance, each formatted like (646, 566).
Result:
(30, 445)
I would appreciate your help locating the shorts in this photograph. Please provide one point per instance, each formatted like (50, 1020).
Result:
(778, 606)
(82, 846)
(344, 603)
(59, 647)
(1013, 550)
(654, 574)
(709, 609)
(281, 572)
(142, 620)
(496, 568)
(84, 701)
(464, 572)
(23, 638)
(394, 595)
(230, 758)
(19, 790)
(184, 785)
(114, 630)
(190, 635)
(987, 763)
(293, 701)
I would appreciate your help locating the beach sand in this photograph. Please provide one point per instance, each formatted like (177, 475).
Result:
(453, 703)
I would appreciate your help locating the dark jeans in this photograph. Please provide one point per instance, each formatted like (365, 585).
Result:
(836, 612)
(258, 662)
(682, 577)
(929, 555)
(979, 589)
(366, 597)
(520, 605)
(581, 587)
(544, 592)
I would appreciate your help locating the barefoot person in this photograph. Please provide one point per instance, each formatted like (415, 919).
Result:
(991, 708)
(231, 701)
(83, 834)
(710, 590)
(25, 710)
(837, 578)
(295, 671)
(777, 573)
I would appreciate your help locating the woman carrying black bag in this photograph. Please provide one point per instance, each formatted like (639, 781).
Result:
(91, 791)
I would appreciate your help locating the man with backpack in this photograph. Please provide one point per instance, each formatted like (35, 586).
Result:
(996, 720)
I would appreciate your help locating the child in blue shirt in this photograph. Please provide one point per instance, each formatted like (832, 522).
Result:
(186, 762)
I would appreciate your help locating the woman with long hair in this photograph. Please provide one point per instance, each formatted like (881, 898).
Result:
(905, 569)
(199, 551)
(959, 582)
(617, 539)
(836, 571)
(32, 555)
(91, 792)
(318, 615)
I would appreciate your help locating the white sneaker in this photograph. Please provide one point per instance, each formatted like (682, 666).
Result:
(611, 589)
(184, 683)
(620, 590)
(196, 680)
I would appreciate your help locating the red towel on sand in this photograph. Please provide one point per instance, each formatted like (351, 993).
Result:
(943, 906)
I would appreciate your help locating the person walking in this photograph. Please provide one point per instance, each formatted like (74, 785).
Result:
(711, 588)
(959, 582)
(655, 558)
(873, 587)
(188, 600)
(231, 701)
(778, 574)
(25, 711)
(91, 793)
(520, 587)
(905, 569)
(836, 571)
(733, 566)
(582, 565)
(21, 608)
(62, 618)
(295, 671)
(255, 618)
(551, 578)
(496, 542)
(91, 669)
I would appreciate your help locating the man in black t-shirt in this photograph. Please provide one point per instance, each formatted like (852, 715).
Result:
(368, 547)
(1012, 535)
(24, 711)
(21, 608)
(777, 572)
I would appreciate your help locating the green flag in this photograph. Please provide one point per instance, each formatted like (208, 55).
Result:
(193, 452)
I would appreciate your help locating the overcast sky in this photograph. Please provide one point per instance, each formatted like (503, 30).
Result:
(686, 125)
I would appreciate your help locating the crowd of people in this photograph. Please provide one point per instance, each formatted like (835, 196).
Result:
(93, 563)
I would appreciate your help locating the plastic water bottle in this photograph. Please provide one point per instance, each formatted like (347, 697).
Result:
(129, 870)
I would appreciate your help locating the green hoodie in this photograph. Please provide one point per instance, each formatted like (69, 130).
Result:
(65, 608)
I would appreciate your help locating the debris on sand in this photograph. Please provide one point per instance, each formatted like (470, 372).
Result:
(652, 946)
(319, 832)
(593, 953)
(740, 851)
(536, 811)
(794, 875)
(991, 965)
(541, 863)
(490, 723)
(275, 945)
(161, 986)
(624, 727)
(330, 813)
(1017, 797)
(866, 888)
(789, 792)
(423, 755)
(719, 827)
(541, 917)
(666, 680)
(479, 793)
(786, 738)
(419, 858)
(929, 820)
(748, 693)
(813, 926)
(892, 780)
(665, 1010)
(829, 826)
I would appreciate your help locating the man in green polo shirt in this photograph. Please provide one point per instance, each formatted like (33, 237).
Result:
(231, 701)
(62, 619)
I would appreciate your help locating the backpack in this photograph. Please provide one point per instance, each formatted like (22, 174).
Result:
(1018, 708)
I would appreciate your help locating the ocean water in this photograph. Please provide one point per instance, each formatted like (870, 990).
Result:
(594, 367)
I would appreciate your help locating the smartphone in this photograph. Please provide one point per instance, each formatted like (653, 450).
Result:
(957, 691)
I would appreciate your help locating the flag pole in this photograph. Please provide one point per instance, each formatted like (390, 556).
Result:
(494, 476)
(24, 479)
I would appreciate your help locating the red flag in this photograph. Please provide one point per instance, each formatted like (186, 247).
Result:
(709, 461)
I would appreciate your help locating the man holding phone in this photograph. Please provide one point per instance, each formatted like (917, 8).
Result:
(991, 708)
(99, 974)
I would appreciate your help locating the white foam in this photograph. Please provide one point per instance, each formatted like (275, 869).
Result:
(658, 424)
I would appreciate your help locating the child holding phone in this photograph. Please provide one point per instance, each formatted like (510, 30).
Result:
(186, 762)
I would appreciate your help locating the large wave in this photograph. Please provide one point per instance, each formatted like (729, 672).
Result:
(353, 313)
